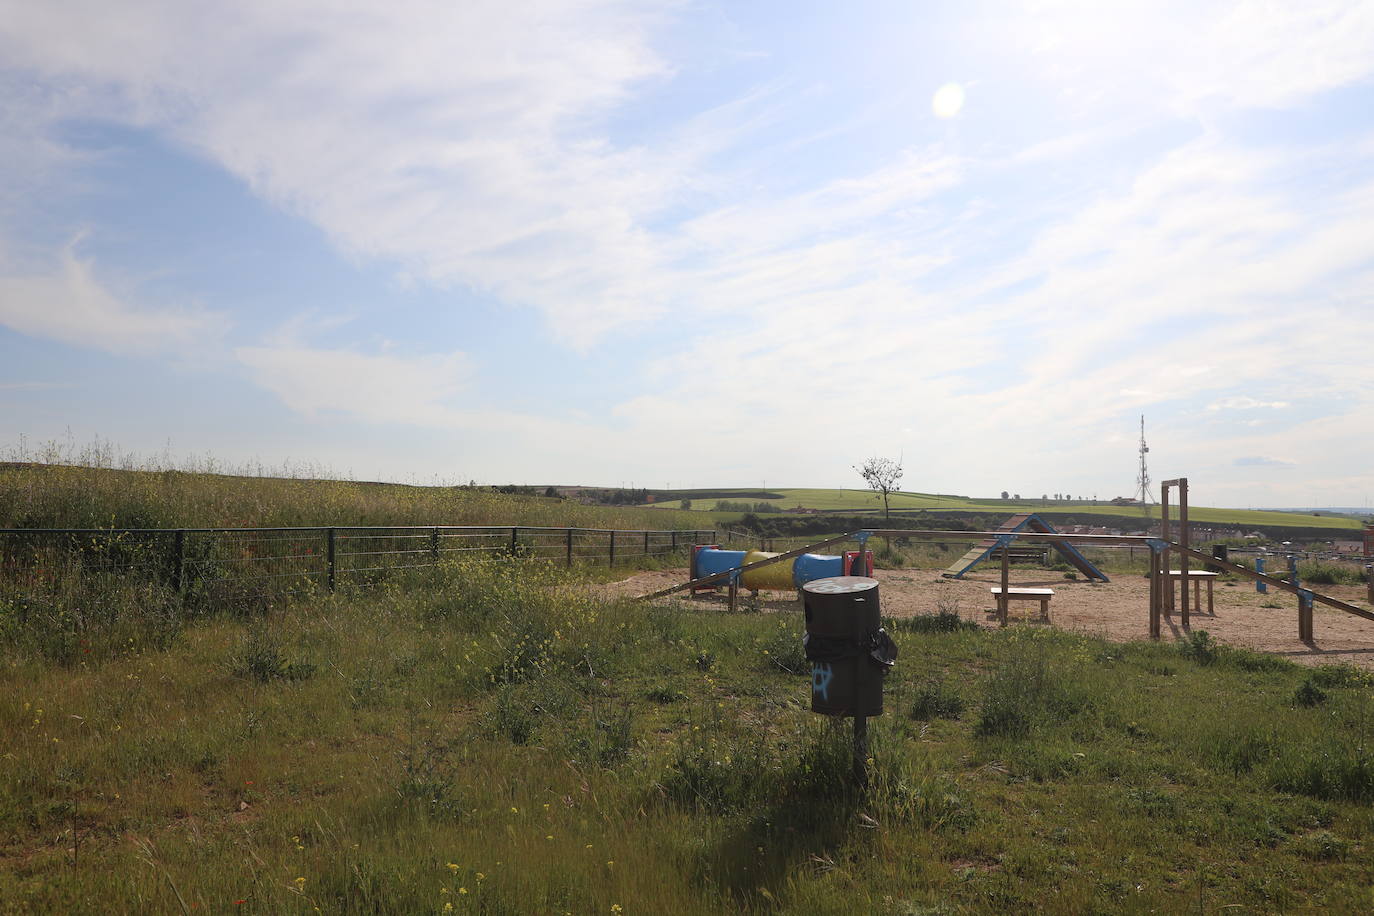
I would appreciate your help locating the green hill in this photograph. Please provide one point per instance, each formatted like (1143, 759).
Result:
(864, 501)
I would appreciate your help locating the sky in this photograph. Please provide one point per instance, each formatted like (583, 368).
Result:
(693, 244)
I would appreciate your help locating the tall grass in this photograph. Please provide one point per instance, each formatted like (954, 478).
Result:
(72, 496)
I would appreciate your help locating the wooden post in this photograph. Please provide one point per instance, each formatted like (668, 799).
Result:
(1155, 597)
(329, 558)
(569, 547)
(1183, 542)
(1369, 580)
(514, 540)
(434, 545)
(674, 550)
(646, 543)
(611, 562)
(1305, 617)
(1002, 601)
(178, 560)
(1168, 595)
(734, 593)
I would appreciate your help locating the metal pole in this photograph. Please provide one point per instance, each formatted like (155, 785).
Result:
(329, 558)
(861, 751)
(178, 560)
(1293, 571)
(1260, 587)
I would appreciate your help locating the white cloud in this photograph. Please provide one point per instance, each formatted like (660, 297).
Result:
(1264, 461)
(67, 302)
(377, 387)
(460, 141)
(1245, 402)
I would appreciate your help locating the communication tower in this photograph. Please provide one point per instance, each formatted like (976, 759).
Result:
(1142, 481)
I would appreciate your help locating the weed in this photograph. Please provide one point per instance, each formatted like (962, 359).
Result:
(1309, 694)
(935, 700)
(1323, 846)
(1200, 647)
(929, 623)
(665, 695)
(1341, 675)
(783, 650)
(426, 782)
(1331, 769)
(260, 657)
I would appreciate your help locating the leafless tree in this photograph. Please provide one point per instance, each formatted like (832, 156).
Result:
(882, 476)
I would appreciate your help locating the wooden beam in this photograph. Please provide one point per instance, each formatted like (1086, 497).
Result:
(1280, 583)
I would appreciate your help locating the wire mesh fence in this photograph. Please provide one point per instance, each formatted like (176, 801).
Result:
(211, 563)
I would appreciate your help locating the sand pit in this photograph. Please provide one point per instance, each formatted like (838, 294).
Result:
(1115, 610)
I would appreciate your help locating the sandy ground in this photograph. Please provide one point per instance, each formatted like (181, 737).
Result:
(1116, 610)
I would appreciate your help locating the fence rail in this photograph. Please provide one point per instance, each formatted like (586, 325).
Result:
(211, 562)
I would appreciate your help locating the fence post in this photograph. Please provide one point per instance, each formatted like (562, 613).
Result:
(1293, 571)
(646, 543)
(675, 543)
(329, 558)
(1369, 580)
(434, 545)
(178, 559)
(514, 541)
(612, 560)
(569, 547)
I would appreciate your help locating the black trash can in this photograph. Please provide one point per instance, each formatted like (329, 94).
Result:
(849, 651)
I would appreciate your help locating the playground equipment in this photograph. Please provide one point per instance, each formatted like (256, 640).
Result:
(709, 559)
(1013, 527)
(1161, 574)
(1007, 593)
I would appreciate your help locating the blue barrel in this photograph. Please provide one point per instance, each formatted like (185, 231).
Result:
(710, 562)
(812, 566)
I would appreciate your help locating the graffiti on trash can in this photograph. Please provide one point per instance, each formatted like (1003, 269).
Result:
(820, 679)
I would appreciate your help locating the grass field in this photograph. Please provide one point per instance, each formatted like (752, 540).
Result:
(864, 500)
(491, 738)
(70, 496)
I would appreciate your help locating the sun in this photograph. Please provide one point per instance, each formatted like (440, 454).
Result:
(948, 100)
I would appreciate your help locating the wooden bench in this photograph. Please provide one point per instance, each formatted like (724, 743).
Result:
(1198, 576)
(1043, 595)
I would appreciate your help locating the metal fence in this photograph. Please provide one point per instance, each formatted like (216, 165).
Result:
(212, 562)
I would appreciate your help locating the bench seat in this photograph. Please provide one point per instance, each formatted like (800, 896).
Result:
(1043, 595)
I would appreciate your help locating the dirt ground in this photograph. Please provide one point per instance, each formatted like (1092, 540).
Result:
(1116, 610)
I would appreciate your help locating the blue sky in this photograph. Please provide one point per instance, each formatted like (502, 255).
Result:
(698, 244)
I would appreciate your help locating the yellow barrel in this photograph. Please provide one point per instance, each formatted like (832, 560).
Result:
(778, 576)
